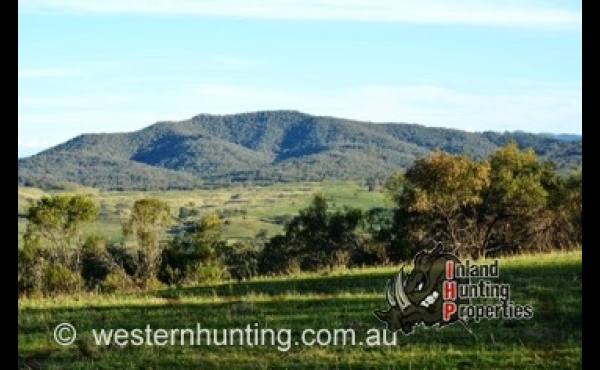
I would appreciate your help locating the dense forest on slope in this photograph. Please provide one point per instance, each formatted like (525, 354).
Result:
(263, 147)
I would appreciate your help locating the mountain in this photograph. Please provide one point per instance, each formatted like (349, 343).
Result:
(565, 137)
(262, 147)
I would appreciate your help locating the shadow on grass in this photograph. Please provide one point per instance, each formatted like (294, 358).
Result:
(551, 339)
(324, 285)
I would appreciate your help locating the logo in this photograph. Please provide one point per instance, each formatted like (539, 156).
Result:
(441, 290)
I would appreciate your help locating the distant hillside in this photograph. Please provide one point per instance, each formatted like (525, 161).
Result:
(261, 147)
(565, 137)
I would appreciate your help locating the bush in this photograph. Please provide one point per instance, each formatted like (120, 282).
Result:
(40, 272)
(124, 259)
(212, 273)
(95, 261)
(31, 262)
(193, 255)
(191, 274)
(241, 260)
(277, 258)
(117, 281)
(153, 284)
(59, 279)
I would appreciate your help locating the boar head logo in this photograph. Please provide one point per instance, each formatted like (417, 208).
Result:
(417, 297)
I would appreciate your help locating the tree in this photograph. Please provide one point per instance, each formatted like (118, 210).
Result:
(574, 203)
(563, 225)
(445, 184)
(57, 222)
(241, 260)
(278, 257)
(49, 262)
(438, 196)
(193, 255)
(503, 204)
(510, 216)
(318, 238)
(147, 223)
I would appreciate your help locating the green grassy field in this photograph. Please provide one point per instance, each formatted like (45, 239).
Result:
(552, 339)
(252, 208)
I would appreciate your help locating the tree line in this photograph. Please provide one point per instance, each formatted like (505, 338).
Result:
(507, 203)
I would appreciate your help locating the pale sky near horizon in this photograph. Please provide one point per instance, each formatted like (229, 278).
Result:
(88, 66)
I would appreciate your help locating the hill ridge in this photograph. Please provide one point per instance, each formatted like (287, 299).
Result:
(262, 147)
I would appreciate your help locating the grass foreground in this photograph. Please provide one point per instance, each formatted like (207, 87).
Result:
(343, 299)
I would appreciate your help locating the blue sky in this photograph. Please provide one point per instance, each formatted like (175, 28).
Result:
(120, 65)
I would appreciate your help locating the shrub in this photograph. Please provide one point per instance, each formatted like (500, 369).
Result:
(31, 262)
(95, 261)
(59, 279)
(209, 273)
(117, 281)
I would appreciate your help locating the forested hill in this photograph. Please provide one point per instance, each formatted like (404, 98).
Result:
(262, 147)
